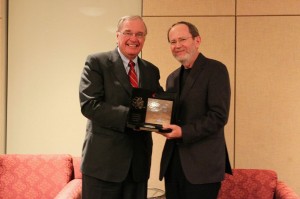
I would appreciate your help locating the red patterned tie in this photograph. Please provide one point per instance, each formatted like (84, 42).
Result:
(132, 75)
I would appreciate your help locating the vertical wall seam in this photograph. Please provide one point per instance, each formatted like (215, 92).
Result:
(234, 106)
(6, 76)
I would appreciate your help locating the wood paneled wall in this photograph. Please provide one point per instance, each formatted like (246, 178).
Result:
(259, 42)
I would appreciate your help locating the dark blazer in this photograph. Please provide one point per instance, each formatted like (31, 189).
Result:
(202, 113)
(109, 147)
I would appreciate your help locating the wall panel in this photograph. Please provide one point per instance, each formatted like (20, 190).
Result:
(268, 7)
(267, 100)
(188, 8)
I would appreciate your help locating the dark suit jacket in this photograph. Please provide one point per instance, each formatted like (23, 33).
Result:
(110, 148)
(203, 110)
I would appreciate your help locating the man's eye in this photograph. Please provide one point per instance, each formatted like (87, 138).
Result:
(127, 33)
(139, 34)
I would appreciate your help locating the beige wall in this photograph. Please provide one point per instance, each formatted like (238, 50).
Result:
(47, 47)
(259, 42)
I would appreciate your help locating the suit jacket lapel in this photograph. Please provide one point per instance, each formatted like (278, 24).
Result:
(119, 71)
(194, 74)
(143, 75)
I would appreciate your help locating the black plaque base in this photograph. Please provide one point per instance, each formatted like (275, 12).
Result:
(151, 127)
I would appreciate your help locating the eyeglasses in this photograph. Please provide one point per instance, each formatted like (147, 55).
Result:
(139, 35)
(180, 40)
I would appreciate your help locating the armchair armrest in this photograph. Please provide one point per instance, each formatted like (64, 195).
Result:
(284, 192)
(71, 191)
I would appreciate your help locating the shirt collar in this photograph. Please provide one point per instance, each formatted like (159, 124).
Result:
(126, 60)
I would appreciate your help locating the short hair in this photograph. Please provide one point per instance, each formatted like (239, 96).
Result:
(192, 28)
(130, 18)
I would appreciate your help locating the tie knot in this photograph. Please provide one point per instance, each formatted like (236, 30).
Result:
(131, 64)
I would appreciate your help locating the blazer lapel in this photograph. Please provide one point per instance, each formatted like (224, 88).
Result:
(119, 71)
(194, 74)
(143, 75)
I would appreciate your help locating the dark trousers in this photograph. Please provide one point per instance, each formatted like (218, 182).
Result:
(177, 186)
(93, 188)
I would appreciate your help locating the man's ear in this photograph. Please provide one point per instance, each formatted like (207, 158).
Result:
(198, 40)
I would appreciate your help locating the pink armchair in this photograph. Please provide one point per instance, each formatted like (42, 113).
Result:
(38, 176)
(74, 188)
(254, 184)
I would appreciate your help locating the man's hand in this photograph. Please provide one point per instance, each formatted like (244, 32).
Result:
(175, 133)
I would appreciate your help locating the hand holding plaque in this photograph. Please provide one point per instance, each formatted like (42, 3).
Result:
(149, 111)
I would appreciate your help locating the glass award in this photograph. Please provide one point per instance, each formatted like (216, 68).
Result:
(149, 111)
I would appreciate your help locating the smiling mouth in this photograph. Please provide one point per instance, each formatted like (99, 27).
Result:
(133, 45)
(179, 52)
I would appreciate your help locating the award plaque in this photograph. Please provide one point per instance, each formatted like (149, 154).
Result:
(149, 111)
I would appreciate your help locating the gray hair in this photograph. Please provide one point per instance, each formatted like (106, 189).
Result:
(130, 18)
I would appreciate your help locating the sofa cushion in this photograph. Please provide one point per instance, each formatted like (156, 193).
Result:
(249, 183)
(33, 176)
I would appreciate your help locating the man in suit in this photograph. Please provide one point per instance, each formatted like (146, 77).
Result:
(116, 160)
(194, 158)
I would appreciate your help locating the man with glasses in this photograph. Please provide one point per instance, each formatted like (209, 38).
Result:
(194, 158)
(115, 159)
